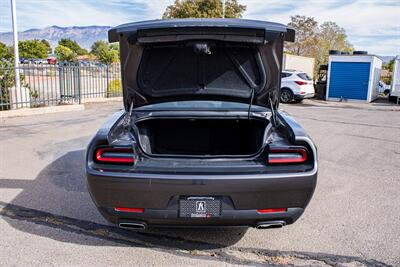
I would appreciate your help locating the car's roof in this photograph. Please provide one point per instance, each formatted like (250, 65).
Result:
(185, 23)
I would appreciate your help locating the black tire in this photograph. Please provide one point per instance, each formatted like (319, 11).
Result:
(286, 96)
(392, 99)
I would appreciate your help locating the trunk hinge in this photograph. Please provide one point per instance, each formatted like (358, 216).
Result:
(128, 116)
(251, 102)
(273, 112)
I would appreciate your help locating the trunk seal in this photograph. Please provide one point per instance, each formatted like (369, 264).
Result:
(171, 156)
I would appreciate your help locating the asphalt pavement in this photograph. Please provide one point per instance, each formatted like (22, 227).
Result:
(48, 218)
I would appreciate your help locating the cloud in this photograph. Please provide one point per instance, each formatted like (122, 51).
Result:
(43, 13)
(370, 24)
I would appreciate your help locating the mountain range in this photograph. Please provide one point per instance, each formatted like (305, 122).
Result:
(84, 36)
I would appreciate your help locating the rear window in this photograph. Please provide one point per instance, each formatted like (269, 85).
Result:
(230, 68)
(304, 76)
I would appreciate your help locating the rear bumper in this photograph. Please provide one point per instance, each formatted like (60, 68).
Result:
(309, 95)
(241, 196)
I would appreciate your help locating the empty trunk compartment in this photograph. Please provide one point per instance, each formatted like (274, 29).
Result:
(201, 137)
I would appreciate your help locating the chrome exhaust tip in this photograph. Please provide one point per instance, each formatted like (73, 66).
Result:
(271, 224)
(133, 225)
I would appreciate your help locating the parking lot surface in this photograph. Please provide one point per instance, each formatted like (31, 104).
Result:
(48, 218)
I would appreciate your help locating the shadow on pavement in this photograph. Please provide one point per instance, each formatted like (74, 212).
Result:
(56, 205)
(58, 197)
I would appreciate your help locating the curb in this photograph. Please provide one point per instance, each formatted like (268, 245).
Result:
(39, 111)
(101, 100)
(374, 106)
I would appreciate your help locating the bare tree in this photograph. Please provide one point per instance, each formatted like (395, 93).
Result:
(306, 35)
(316, 41)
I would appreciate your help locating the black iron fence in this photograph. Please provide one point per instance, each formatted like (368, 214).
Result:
(49, 85)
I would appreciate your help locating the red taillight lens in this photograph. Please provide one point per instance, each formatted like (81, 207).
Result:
(289, 155)
(272, 210)
(300, 82)
(134, 210)
(114, 155)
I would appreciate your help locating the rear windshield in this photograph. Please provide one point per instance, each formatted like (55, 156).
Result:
(304, 76)
(285, 75)
(224, 67)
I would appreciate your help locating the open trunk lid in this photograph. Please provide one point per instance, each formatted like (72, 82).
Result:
(201, 59)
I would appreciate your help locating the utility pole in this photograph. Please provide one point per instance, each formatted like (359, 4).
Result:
(16, 53)
(223, 8)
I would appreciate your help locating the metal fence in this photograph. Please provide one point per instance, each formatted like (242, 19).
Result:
(49, 85)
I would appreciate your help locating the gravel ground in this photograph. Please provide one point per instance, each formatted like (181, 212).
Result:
(48, 218)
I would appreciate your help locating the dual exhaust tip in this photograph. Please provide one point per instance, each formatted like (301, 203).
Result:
(133, 225)
(137, 225)
(270, 224)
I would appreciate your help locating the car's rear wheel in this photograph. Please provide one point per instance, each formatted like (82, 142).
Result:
(392, 98)
(286, 96)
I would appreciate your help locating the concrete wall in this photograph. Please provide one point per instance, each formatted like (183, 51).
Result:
(299, 63)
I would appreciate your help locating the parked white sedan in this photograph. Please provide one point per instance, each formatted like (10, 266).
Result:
(296, 86)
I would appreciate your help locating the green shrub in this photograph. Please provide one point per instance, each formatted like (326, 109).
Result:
(6, 83)
(114, 88)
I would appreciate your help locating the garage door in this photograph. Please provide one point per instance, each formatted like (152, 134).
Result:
(349, 80)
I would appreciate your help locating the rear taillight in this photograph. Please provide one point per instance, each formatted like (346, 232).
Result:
(132, 210)
(300, 82)
(287, 155)
(272, 210)
(114, 155)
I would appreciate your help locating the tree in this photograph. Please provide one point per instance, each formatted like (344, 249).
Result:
(306, 35)
(389, 66)
(114, 47)
(6, 52)
(7, 81)
(32, 49)
(97, 47)
(64, 53)
(104, 52)
(108, 56)
(73, 45)
(203, 9)
(316, 41)
(47, 44)
(330, 37)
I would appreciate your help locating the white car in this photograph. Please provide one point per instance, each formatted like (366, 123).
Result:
(296, 86)
(40, 61)
(383, 88)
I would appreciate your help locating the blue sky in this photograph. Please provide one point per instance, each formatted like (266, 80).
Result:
(370, 25)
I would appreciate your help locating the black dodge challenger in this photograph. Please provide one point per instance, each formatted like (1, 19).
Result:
(201, 142)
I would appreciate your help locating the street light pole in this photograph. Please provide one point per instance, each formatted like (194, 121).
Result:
(16, 53)
(223, 8)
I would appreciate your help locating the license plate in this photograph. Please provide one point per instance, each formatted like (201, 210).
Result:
(199, 207)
